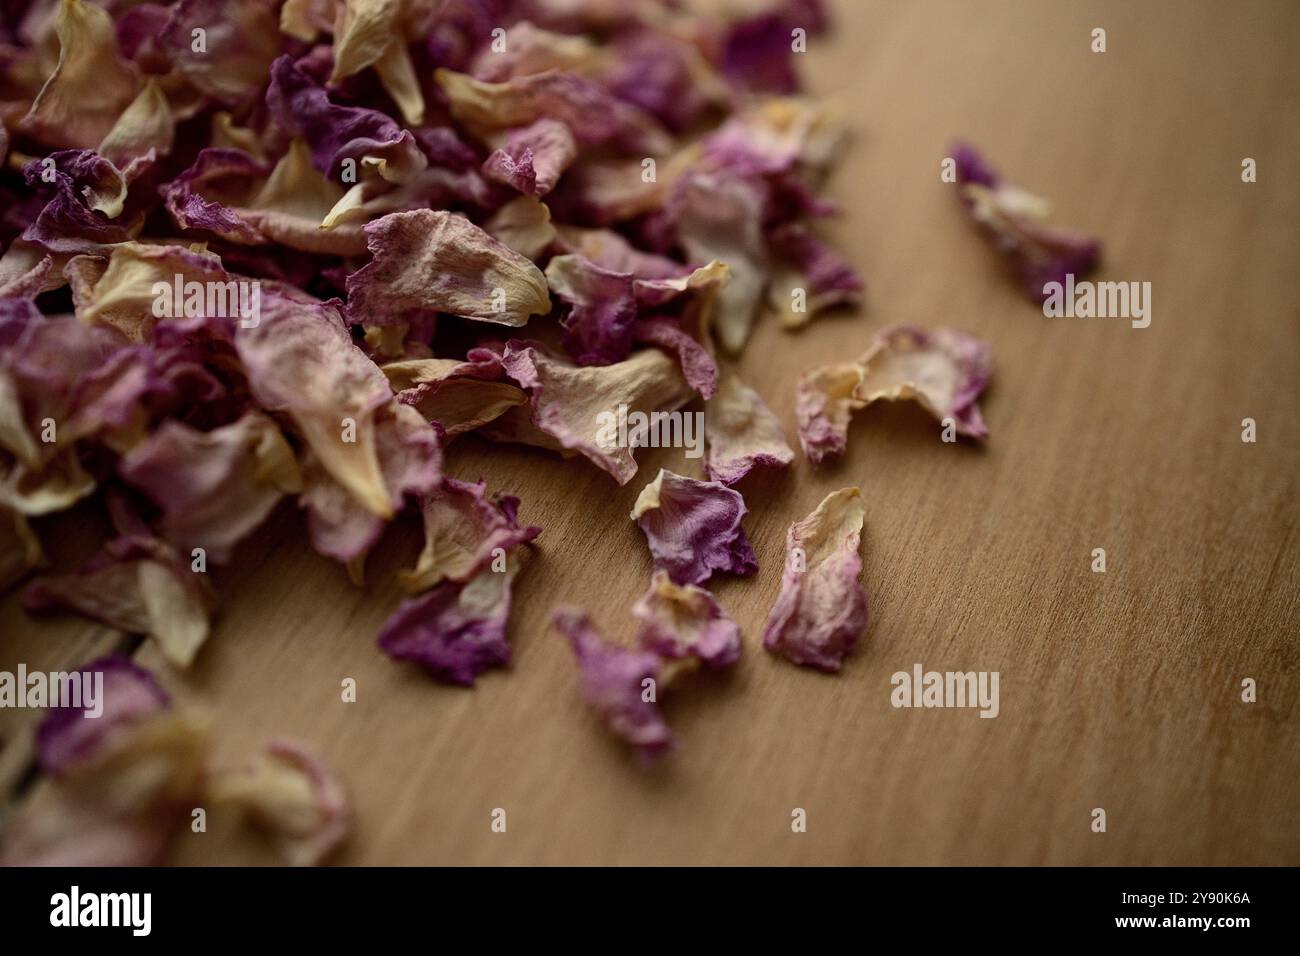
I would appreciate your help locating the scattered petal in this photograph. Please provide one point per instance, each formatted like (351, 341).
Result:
(740, 433)
(822, 608)
(685, 621)
(693, 528)
(620, 685)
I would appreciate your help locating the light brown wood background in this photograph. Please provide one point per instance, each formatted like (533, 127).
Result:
(1119, 690)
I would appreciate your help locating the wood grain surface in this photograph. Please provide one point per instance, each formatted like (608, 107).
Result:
(1119, 690)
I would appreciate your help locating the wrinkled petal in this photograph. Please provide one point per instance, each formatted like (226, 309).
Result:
(457, 630)
(301, 361)
(693, 528)
(464, 530)
(613, 681)
(128, 693)
(590, 113)
(429, 261)
(239, 42)
(1013, 220)
(740, 433)
(533, 158)
(721, 219)
(121, 805)
(137, 585)
(808, 265)
(459, 395)
(214, 488)
(685, 621)
(945, 370)
(90, 86)
(336, 133)
(696, 361)
(578, 407)
(822, 608)
(291, 796)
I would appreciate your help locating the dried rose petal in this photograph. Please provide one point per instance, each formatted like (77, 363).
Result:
(426, 261)
(138, 585)
(685, 621)
(214, 487)
(620, 685)
(575, 406)
(456, 630)
(1013, 220)
(290, 795)
(945, 370)
(740, 433)
(822, 608)
(533, 158)
(693, 528)
(128, 693)
(121, 805)
(91, 83)
(463, 531)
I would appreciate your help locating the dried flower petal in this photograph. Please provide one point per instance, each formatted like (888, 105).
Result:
(533, 158)
(945, 370)
(576, 406)
(620, 685)
(693, 528)
(138, 585)
(214, 487)
(463, 530)
(1013, 220)
(457, 630)
(685, 621)
(822, 608)
(740, 432)
(90, 86)
(128, 693)
(427, 262)
(290, 795)
(121, 805)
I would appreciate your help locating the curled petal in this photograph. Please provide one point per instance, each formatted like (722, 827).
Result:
(590, 113)
(239, 43)
(693, 528)
(457, 629)
(126, 693)
(533, 158)
(740, 433)
(1013, 220)
(578, 407)
(428, 262)
(721, 219)
(685, 621)
(822, 608)
(463, 530)
(811, 271)
(91, 84)
(300, 360)
(119, 806)
(216, 487)
(137, 585)
(620, 685)
(291, 796)
(945, 370)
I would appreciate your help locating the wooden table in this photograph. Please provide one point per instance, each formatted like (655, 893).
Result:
(1119, 690)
